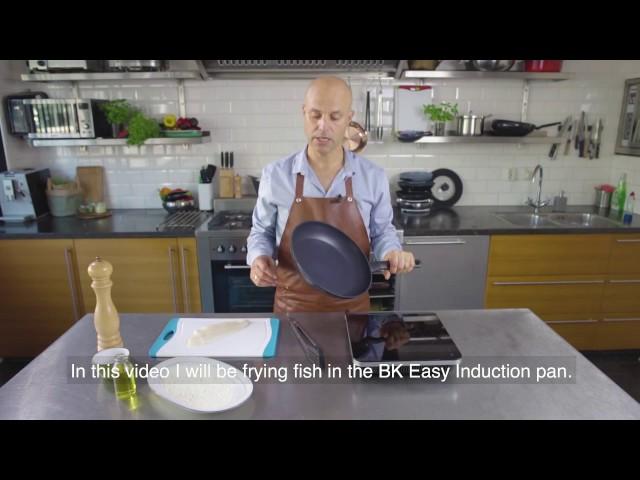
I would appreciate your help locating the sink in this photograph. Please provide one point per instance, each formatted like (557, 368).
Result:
(583, 220)
(527, 219)
(558, 219)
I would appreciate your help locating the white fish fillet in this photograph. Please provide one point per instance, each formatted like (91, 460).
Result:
(209, 333)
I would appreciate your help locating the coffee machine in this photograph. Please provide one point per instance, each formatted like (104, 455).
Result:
(23, 194)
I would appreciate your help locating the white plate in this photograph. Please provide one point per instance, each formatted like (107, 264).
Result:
(197, 392)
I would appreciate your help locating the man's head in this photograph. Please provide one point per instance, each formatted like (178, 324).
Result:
(327, 113)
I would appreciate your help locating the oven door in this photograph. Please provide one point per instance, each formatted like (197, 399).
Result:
(234, 292)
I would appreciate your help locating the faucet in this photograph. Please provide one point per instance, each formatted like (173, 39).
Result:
(538, 204)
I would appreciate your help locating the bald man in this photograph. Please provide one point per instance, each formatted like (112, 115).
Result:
(327, 183)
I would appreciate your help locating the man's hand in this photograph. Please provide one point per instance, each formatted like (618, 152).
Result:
(263, 271)
(400, 262)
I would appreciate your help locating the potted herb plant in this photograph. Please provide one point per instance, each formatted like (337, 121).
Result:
(440, 115)
(119, 113)
(141, 128)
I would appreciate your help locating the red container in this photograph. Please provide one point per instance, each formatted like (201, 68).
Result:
(542, 65)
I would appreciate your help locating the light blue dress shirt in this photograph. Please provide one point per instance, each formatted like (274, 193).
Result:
(277, 192)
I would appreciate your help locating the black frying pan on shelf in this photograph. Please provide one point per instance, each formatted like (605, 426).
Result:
(510, 128)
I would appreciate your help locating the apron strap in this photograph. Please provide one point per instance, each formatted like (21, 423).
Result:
(299, 187)
(349, 189)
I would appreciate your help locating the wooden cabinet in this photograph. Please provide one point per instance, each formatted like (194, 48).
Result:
(150, 275)
(39, 297)
(620, 321)
(190, 284)
(586, 287)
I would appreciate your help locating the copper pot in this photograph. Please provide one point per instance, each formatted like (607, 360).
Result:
(356, 137)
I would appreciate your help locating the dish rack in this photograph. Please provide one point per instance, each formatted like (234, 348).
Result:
(188, 220)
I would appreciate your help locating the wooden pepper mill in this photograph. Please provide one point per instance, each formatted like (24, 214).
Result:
(105, 318)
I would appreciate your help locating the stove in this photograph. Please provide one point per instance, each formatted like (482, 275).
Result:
(230, 220)
(184, 220)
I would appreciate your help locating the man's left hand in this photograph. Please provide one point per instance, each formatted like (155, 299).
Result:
(399, 262)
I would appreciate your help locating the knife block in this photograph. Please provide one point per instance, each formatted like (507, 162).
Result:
(226, 184)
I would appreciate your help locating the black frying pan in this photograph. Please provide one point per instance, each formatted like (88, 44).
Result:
(509, 128)
(329, 260)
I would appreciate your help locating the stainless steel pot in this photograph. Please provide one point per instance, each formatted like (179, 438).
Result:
(470, 125)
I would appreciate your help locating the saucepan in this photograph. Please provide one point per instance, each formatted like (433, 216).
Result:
(329, 260)
(470, 125)
(356, 137)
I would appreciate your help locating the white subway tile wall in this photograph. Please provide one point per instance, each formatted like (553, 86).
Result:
(261, 121)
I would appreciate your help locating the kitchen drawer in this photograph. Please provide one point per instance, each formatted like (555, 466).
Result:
(580, 331)
(452, 274)
(622, 294)
(548, 254)
(619, 332)
(581, 295)
(625, 254)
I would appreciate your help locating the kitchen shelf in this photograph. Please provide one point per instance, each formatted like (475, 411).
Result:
(92, 76)
(113, 142)
(464, 74)
(490, 139)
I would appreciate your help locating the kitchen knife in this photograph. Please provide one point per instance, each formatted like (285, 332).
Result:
(600, 127)
(590, 144)
(570, 137)
(553, 153)
(579, 132)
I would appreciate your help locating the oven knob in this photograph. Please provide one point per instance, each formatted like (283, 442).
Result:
(232, 249)
(85, 125)
(220, 249)
(244, 249)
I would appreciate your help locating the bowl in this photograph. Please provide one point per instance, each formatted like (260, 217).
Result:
(179, 205)
(492, 65)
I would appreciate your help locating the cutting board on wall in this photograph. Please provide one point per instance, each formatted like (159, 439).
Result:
(258, 339)
(408, 109)
(91, 181)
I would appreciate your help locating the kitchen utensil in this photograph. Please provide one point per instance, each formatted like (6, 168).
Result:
(258, 339)
(580, 132)
(599, 140)
(408, 112)
(447, 187)
(542, 65)
(553, 153)
(379, 129)
(367, 114)
(410, 135)
(312, 350)
(217, 386)
(491, 65)
(416, 176)
(329, 260)
(91, 180)
(210, 172)
(173, 206)
(255, 181)
(356, 137)
(420, 205)
(416, 196)
(510, 128)
(470, 125)
(570, 136)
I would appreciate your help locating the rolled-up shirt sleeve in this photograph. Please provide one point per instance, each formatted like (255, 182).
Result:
(262, 239)
(384, 237)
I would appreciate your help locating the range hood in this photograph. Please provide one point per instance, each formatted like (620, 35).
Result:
(298, 68)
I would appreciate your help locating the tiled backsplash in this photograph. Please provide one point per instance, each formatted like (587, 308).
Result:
(261, 121)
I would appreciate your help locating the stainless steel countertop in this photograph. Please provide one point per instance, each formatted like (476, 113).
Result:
(43, 389)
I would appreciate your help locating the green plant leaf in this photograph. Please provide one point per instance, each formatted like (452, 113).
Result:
(142, 128)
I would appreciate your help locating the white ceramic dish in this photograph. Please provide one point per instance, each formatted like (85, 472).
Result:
(232, 392)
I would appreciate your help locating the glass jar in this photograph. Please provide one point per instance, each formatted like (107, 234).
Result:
(124, 380)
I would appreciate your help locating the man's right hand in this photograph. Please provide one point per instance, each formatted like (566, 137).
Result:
(263, 271)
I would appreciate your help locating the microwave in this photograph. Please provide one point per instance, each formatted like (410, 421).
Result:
(628, 139)
(65, 118)
(65, 65)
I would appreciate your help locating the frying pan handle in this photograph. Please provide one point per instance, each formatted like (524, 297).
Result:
(548, 125)
(384, 265)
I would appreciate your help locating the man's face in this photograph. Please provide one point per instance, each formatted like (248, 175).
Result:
(327, 113)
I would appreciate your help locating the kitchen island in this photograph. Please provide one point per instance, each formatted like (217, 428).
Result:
(44, 389)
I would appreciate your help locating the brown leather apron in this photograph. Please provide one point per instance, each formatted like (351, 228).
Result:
(293, 293)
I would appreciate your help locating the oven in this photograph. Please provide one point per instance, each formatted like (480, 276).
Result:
(225, 283)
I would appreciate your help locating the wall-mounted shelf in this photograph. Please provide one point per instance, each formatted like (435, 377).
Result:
(114, 142)
(464, 74)
(491, 139)
(89, 76)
